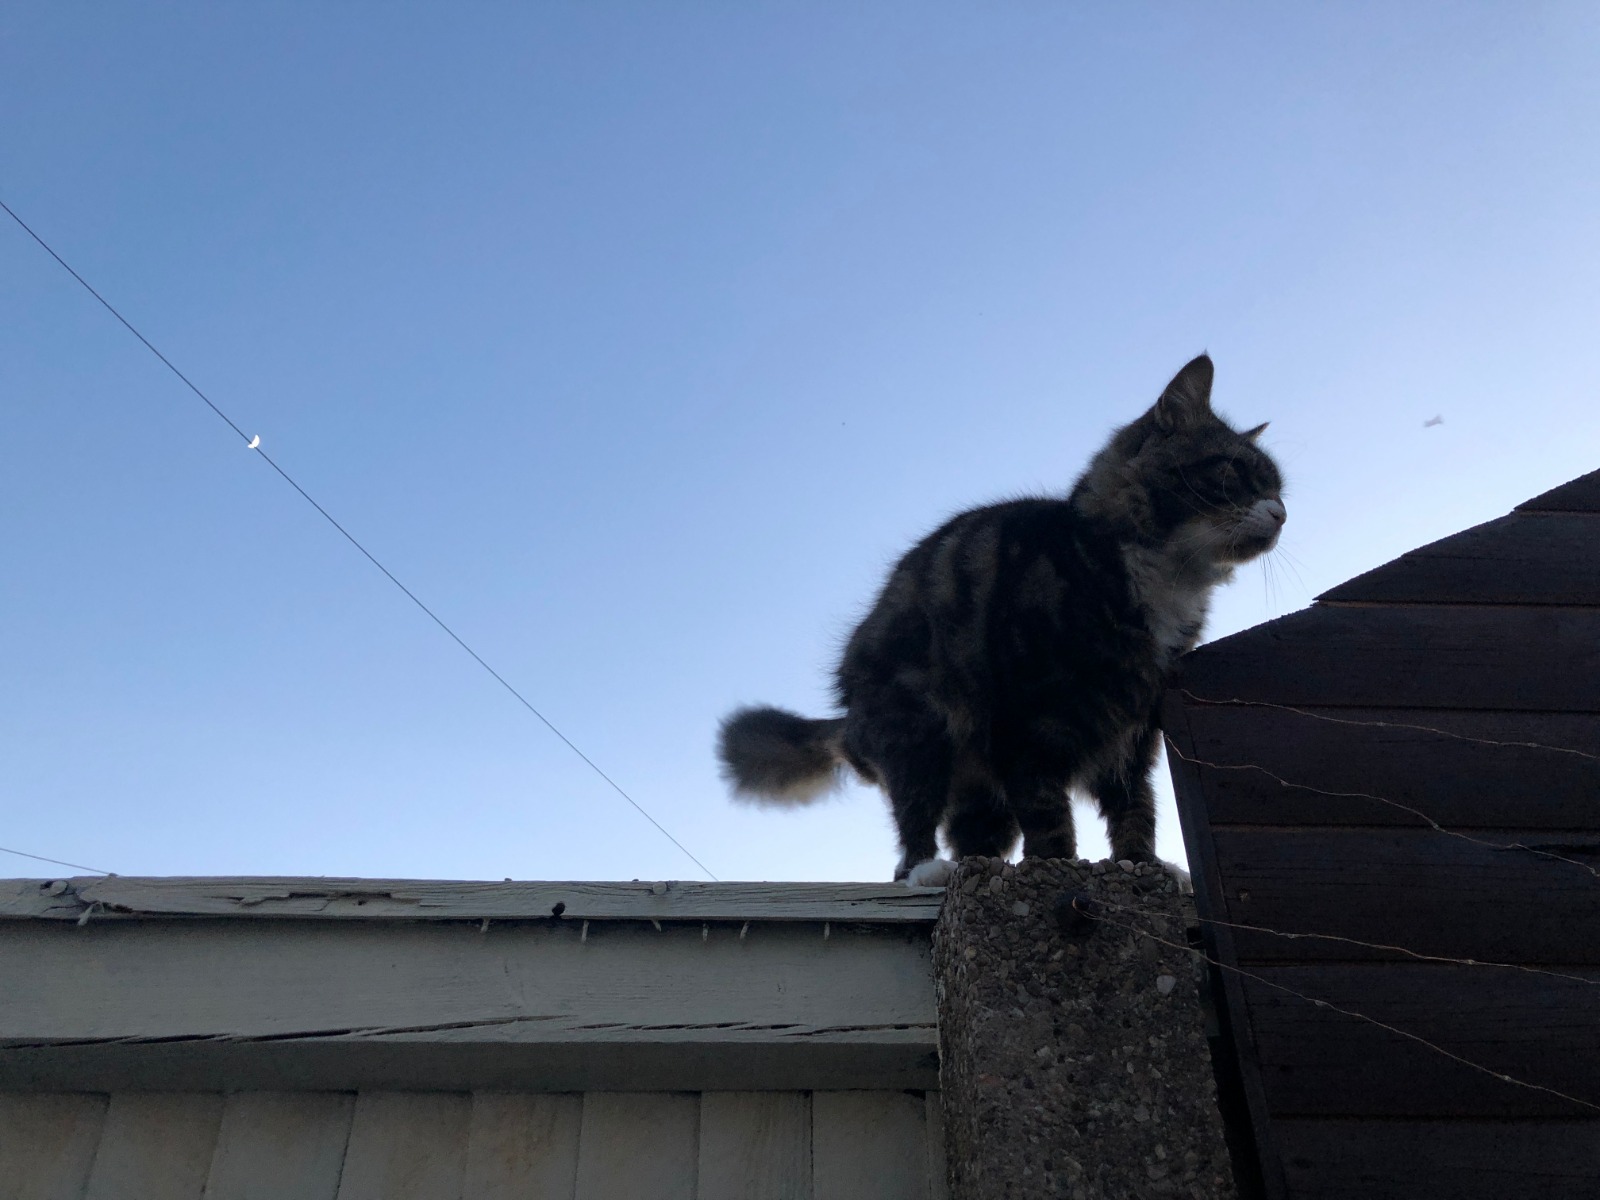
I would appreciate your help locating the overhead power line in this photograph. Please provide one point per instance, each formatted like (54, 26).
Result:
(60, 862)
(254, 443)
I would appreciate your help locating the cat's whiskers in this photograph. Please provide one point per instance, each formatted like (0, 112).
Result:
(1241, 513)
(1287, 559)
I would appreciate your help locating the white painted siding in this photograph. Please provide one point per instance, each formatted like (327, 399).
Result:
(523, 1147)
(155, 1144)
(755, 1146)
(47, 1144)
(275, 1144)
(484, 1146)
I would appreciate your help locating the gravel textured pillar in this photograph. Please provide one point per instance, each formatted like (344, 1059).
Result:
(1074, 1060)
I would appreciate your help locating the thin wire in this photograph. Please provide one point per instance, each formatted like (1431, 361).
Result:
(57, 861)
(455, 637)
(1327, 1004)
(1460, 737)
(26, 228)
(523, 700)
(1349, 941)
(1406, 808)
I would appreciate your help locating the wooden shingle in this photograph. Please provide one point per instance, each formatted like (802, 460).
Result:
(1391, 803)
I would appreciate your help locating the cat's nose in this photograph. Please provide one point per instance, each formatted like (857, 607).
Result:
(1274, 508)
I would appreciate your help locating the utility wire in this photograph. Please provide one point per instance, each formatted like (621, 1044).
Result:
(1487, 843)
(254, 444)
(1586, 980)
(57, 861)
(1444, 733)
(1331, 1007)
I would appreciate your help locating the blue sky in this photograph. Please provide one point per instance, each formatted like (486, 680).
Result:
(639, 339)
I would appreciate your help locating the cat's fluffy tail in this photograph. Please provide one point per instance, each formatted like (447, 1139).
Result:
(777, 758)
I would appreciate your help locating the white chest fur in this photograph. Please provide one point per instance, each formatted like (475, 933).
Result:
(1174, 594)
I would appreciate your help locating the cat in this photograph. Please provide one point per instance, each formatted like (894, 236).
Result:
(1019, 651)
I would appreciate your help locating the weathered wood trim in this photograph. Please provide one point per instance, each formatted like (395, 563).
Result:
(113, 897)
(197, 1004)
(712, 1065)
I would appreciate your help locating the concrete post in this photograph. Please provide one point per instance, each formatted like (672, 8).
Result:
(1074, 1060)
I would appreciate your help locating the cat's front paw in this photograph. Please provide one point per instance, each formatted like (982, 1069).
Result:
(933, 872)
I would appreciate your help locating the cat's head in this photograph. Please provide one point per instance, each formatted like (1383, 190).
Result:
(1182, 476)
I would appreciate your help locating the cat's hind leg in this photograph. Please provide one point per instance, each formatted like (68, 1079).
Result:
(1043, 808)
(908, 749)
(1128, 802)
(917, 793)
(980, 820)
(913, 769)
(919, 843)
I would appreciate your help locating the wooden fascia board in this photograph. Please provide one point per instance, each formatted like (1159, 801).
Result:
(195, 1002)
(117, 897)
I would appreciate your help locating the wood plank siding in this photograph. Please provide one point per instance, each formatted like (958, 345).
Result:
(1406, 779)
(316, 1039)
(471, 1146)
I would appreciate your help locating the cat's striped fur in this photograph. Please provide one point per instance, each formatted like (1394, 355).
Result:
(1019, 651)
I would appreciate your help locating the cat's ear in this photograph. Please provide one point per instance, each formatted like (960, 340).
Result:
(1255, 434)
(1188, 396)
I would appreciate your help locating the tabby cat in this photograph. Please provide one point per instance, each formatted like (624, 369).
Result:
(1018, 652)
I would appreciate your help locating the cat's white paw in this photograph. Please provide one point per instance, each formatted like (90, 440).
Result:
(934, 872)
(1185, 882)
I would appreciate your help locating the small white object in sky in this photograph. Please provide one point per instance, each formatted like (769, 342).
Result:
(1428, 424)
(255, 443)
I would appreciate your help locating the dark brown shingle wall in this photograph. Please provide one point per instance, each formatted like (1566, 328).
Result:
(1411, 768)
